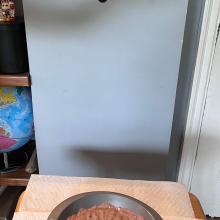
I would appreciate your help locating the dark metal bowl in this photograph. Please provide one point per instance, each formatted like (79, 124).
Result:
(87, 200)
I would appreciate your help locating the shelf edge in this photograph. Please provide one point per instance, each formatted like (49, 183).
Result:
(22, 79)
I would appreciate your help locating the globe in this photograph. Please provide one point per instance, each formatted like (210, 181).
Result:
(16, 118)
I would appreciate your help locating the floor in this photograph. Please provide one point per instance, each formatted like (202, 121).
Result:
(209, 218)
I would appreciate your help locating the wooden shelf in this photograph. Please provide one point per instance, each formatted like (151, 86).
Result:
(17, 178)
(22, 79)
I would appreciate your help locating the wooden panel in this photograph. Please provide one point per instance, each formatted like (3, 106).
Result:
(17, 178)
(22, 79)
(199, 213)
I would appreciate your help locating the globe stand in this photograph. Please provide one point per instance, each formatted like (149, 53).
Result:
(7, 168)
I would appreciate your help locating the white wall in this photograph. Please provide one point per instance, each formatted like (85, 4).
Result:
(104, 82)
(206, 173)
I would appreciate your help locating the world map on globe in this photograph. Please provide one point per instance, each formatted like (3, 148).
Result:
(16, 118)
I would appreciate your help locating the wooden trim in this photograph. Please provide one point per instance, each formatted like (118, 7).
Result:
(19, 202)
(22, 79)
(18, 178)
(199, 90)
(197, 208)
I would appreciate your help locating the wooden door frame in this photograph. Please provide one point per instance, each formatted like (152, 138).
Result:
(207, 45)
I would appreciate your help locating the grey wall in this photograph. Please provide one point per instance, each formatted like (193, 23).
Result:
(104, 84)
(186, 73)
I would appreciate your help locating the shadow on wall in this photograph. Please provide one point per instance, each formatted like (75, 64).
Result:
(121, 164)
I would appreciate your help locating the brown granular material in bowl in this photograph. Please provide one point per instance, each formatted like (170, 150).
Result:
(105, 212)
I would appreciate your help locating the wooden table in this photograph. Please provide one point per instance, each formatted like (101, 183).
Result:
(199, 213)
(195, 204)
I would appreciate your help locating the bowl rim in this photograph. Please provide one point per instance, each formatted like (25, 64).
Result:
(58, 210)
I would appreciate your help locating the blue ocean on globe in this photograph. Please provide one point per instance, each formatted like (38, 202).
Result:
(16, 118)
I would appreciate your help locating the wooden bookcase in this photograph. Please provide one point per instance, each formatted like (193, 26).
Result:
(19, 177)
